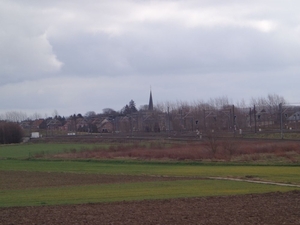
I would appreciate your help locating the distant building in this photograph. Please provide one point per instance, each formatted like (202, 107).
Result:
(35, 134)
(294, 117)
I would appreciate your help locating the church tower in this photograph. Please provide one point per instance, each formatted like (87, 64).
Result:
(150, 106)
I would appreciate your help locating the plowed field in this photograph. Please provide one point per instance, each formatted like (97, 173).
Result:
(272, 209)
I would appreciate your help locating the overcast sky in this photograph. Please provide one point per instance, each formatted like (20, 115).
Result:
(78, 56)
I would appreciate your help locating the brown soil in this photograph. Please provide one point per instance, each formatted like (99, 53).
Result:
(272, 208)
(23, 179)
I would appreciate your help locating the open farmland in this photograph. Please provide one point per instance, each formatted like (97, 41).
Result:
(142, 190)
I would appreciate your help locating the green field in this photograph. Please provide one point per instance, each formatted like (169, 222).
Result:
(15, 158)
(23, 151)
(285, 174)
(130, 192)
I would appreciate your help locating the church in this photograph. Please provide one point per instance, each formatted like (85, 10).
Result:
(150, 105)
(145, 120)
(149, 120)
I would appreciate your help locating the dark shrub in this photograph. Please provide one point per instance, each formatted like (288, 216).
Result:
(10, 133)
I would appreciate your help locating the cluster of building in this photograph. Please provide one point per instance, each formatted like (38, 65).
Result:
(202, 118)
(144, 121)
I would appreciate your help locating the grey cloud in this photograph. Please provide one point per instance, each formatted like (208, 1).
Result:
(25, 52)
(75, 54)
(164, 50)
(173, 52)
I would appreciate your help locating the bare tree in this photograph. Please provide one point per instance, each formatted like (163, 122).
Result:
(36, 116)
(211, 143)
(161, 106)
(241, 104)
(219, 102)
(275, 99)
(143, 108)
(270, 104)
(272, 100)
(109, 111)
(90, 114)
(55, 113)
(15, 116)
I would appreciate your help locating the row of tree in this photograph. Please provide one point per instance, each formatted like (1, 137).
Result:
(270, 102)
(216, 112)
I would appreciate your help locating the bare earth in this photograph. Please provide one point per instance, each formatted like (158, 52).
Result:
(268, 209)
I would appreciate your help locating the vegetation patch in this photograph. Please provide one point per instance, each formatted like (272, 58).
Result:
(28, 150)
(130, 192)
(10, 133)
(211, 149)
(283, 173)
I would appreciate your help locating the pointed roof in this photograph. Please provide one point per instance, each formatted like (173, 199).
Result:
(150, 106)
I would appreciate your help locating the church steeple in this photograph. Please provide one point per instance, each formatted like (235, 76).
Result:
(150, 106)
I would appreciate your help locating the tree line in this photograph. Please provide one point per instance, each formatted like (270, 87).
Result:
(271, 101)
(186, 113)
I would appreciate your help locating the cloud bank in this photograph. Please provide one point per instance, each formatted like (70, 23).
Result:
(76, 56)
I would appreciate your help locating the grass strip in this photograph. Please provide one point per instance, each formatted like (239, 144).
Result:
(23, 151)
(285, 174)
(131, 192)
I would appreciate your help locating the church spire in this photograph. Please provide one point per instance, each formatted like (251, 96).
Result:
(150, 106)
